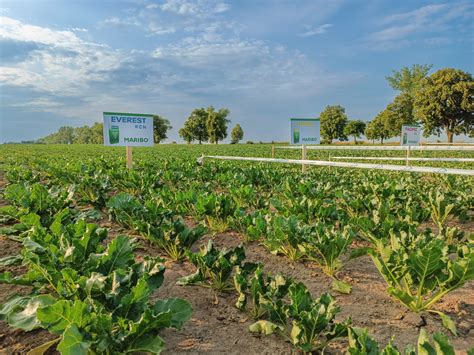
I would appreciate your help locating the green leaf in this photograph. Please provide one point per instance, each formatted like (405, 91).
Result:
(73, 342)
(360, 343)
(424, 346)
(340, 286)
(58, 316)
(31, 220)
(149, 343)
(402, 296)
(27, 318)
(264, 327)
(442, 345)
(119, 254)
(447, 322)
(180, 309)
(11, 260)
(12, 303)
(40, 350)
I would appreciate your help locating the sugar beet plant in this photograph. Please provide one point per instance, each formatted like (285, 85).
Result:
(259, 293)
(156, 223)
(214, 267)
(95, 298)
(308, 323)
(35, 198)
(420, 269)
(361, 343)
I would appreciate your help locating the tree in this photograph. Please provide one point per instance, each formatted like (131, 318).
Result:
(186, 135)
(237, 134)
(195, 126)
(216, 124)
(408, 80)
(97, 133)
(82, 135)
(160, 128)
(377, 128)
(398, 113)
(445, 101)
(65, 135)
(355, 129)
(333, 120)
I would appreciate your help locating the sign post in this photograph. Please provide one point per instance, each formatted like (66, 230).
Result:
(128, 130)
(303, 157)
(304, 131)
(129, 153)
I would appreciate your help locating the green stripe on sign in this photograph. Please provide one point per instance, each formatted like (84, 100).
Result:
(304, 119)
(128, 114)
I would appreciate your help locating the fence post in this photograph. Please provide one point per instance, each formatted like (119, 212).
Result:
(408, 155)
(303, 157)
(129, 154)
(273, 151)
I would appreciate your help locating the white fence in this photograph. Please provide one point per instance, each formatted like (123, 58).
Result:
(380, 147)
(459, 160)
(416, 169)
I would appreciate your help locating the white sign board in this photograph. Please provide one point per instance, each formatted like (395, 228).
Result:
(305, 131)
(128, 129)
(410, 135)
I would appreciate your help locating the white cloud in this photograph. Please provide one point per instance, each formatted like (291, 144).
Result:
(116, 21)
(316, 30)
(195, 7)
(64, 65)
(404, 28)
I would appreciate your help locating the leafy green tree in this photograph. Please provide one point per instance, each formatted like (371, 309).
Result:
(377, 128)
(237, 134)
(97, 133)
(398, 113)
(160, 128)
(355, 129)
(82, 135)
(195, 126)
(401, 110)
(445, 101)
(216, 124)
(333, 120)
(408, 80)
(186, 135)
(65, 135)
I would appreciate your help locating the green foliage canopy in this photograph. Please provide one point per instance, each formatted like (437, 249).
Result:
(445, 102)
(237, 134)
(355, 129)
(160, 128)
(333, 120)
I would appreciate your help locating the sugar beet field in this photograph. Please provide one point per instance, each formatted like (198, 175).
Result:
(231, 257)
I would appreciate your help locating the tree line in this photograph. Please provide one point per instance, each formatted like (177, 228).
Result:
(203, 125)
(440, 102)
(95, 134)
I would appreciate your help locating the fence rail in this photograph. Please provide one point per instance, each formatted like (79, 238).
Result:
(415, 169)
(380, 147)
(459, 160)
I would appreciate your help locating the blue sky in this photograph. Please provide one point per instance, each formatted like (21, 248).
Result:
(65, 62)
